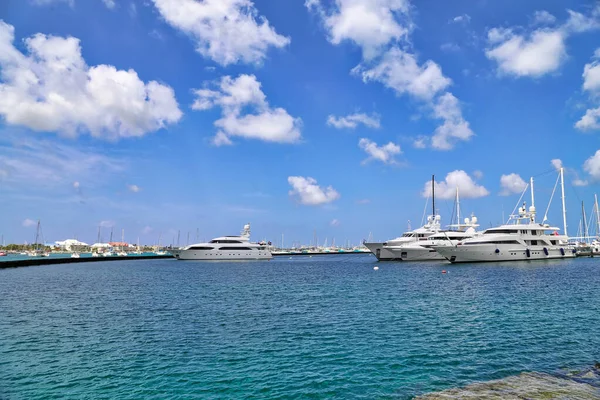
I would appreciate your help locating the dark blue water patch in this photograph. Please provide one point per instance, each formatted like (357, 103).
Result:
(319, 327)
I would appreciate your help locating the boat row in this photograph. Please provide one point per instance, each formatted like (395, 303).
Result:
(521, 238)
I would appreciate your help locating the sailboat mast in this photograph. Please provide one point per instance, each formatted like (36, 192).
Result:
(597, 215)
(457, 208)
(532, 197)
(433, 194)
(584, 228)
(564, 208)
(37, 234)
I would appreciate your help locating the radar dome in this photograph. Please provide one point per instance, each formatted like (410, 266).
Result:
(532, 209)
(467, 221)
(474, 220)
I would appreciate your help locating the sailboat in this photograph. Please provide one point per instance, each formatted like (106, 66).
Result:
(158, 250)
(122, 252)
(37, 251)
(137, 249)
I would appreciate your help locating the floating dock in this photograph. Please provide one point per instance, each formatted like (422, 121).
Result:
(34, 261)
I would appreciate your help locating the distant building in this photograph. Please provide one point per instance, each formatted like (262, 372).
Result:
(70, 244)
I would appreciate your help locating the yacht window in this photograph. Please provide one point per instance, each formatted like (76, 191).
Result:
(407, 235)
(534, 232)
(493, 242)
(490, 231)
(224, 241)
(235, 248)
(200, 248)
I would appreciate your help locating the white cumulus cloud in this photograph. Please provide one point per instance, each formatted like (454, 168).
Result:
(53, 89)
(246, 112)
(335, 222)
(556, 163)
(591, 77)
(399, 70)
(591, 83)
(541, 51)
(543, 17)
(382, 29)
(590, 120)
(353, 120)
(446, 189)
(511, 183)
(134, 188)
(371, 24)
(308, 192)
(226, 31)
(454, 128)
(384, 153)
(592, 166)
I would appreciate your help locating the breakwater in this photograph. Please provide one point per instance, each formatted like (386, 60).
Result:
(35, 261)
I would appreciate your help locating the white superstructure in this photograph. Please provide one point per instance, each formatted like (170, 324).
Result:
(226, 248)
(424, 250)
(524, 239)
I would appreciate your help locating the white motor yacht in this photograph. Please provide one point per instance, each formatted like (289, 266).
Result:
(388, 251)
(424, 250)
(226, 248)
(524, 239)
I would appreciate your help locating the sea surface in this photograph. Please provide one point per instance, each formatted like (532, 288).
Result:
(306, 327)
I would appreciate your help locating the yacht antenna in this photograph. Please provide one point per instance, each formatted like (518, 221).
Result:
(564, 208)
(433, 194)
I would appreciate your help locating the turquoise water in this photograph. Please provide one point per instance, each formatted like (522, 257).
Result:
(320, 327)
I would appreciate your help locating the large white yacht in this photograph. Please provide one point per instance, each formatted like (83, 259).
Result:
(225, 248)
(524, 239)
(387, 251)
(424, 250)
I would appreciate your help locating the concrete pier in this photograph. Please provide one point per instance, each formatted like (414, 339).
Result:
(34, 261)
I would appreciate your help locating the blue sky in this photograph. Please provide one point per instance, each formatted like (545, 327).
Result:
(297, 116)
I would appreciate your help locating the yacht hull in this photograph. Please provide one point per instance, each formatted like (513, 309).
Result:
(245, 255)
(381, 252)
(498, 252)
(415, 253)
